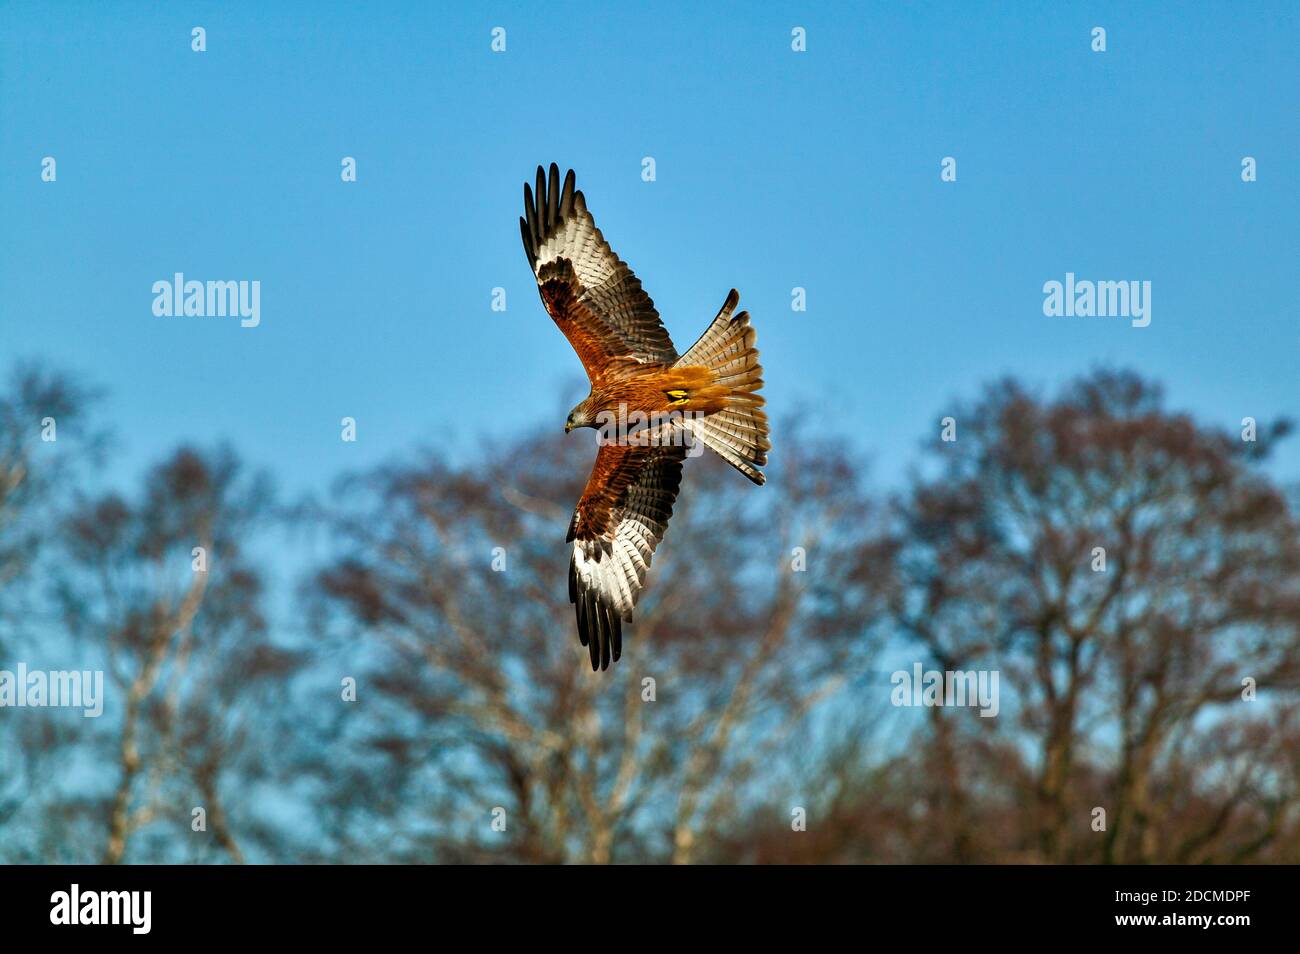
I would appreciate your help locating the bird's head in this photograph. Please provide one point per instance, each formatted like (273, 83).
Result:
(580, 416)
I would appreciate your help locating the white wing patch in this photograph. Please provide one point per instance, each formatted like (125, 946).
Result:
(619, 575)
(608, 573)
(557, 226)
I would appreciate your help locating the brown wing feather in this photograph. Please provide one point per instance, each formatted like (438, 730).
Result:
(620, 518)
(597, 301)
(593, 340)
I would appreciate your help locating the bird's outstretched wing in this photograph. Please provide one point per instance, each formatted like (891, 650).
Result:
(593, 296)
(619, 520)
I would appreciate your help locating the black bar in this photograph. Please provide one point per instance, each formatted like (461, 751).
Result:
(333, 904)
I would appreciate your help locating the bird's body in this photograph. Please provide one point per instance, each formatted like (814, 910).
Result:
(656, 389)
(649, 403)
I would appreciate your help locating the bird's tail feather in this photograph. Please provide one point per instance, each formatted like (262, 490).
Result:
(738, 432)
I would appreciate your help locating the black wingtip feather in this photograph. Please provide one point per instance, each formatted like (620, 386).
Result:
(530, 216)
(581, 610)
(553, 198)
(529, 249)
(593, 633)
(566, 201)
(539, 191)
(606, 634)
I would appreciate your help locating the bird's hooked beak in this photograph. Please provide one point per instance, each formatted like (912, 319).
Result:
(568, 425)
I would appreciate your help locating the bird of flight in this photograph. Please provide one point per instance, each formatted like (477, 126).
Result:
(709, 394)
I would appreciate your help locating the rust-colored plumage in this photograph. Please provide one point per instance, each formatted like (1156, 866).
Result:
(649, 403)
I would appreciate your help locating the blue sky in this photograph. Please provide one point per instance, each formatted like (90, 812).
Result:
(775, 169)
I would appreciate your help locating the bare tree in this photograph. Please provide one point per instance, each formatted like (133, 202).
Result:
(1132, 575)
(1125, 570)
(45, 447)
(36, 473)
(163, 589)
(479, 697)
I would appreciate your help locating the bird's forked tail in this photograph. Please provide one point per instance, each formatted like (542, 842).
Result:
(737, 432)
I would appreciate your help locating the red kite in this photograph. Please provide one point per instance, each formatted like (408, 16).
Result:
(709, 394)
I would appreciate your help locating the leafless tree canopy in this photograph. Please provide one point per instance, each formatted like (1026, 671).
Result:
(390, 672)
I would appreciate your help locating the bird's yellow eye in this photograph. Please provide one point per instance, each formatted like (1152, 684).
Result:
(678, 397)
